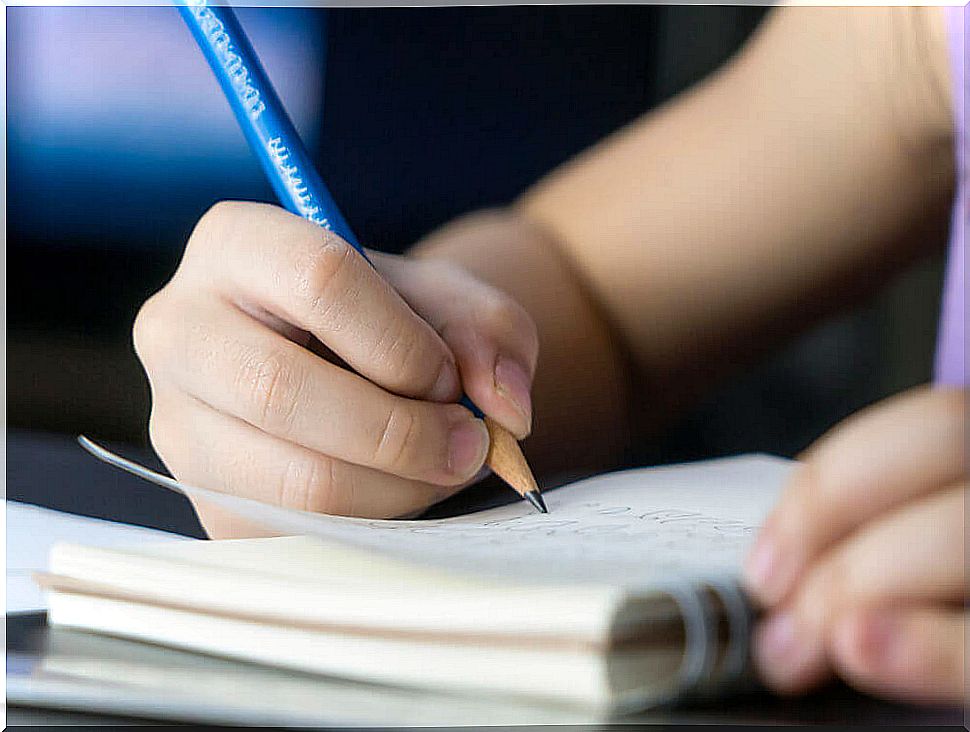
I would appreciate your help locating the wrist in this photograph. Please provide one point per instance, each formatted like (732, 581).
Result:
(448, 241)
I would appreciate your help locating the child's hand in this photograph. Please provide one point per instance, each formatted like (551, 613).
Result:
(861, 566)
(247, 398)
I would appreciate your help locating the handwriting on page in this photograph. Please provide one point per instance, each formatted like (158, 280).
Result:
(632, 527)
(634, 543)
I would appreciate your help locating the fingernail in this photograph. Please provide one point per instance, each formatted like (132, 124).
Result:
(445, 384)
(766, 569)
(467, 447)
(783, 654)
(778, 640)
(513, 383)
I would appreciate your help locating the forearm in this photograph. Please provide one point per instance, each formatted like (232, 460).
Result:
(791, 183)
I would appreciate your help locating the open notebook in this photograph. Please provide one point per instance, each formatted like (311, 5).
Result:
(628, 596)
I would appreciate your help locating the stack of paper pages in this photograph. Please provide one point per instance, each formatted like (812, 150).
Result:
(623, 596)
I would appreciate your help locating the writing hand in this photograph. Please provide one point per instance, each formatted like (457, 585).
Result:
(243, 349)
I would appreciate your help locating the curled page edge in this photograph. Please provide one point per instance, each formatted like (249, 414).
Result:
(272, 517)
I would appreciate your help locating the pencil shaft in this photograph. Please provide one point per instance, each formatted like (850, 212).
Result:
(262, 117)
(277, 145)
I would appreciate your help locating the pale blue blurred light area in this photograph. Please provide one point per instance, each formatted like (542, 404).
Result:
(115, 121)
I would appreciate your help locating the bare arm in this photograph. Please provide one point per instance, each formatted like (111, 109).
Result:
(792, 182)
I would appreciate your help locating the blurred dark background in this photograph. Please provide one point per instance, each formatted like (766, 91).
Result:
(118, 140)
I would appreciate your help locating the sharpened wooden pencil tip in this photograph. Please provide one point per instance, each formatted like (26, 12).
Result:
(536, 500)
(506, 460)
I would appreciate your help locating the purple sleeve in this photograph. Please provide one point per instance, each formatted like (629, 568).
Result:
(951, 352)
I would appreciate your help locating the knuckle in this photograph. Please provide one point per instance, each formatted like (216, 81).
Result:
(397, 349)
(396, 440)
(151, 328)
(323, 279)
(309, 485)
(211, 224)
(499, 312)
(271, 385)
(220, 227)
(217, 215)
(503, 317)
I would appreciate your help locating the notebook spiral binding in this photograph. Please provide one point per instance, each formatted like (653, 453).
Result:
(718, 622)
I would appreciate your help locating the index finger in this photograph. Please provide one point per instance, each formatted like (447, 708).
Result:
(313, 279)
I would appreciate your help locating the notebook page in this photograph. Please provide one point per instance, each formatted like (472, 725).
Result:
(32, 530)
(636, 527)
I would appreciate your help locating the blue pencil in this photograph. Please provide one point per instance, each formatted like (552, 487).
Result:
(297, 184)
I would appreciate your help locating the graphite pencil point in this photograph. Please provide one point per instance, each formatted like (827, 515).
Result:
(535, 498)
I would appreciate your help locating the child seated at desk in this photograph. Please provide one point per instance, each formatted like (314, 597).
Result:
(791, 183)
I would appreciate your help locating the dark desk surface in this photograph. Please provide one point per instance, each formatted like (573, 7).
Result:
(52, 470)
